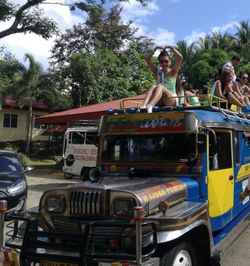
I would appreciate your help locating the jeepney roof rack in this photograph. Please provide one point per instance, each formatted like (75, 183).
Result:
(207, 101)
(85, 123)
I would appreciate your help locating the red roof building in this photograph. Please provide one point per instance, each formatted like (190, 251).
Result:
(90, 112)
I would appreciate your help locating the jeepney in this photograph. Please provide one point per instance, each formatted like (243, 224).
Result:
(165, 192)
(80, 149)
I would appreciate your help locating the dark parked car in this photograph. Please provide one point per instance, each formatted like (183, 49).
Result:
(13, 185)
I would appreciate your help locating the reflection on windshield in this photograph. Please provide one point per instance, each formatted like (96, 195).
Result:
(150, 148)
(9, 164)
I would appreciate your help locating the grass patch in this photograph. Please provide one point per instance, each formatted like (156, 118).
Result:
(39, 162)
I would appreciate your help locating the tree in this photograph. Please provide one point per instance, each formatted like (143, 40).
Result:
(102, 28)
(243, 40)
(188, 53)
(9, 67)
(29, 17)
(204, 70)
(117, 76)
(24, 86)
(102, 60)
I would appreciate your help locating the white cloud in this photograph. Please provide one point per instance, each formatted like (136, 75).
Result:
(196, 34)
(162, 37)
(19, 44)
(224, 28)
(133, 10)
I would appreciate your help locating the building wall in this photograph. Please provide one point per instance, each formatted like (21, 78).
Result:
(19, 132)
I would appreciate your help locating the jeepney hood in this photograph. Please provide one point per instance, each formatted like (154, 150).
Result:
(98, 199)
(148, 192)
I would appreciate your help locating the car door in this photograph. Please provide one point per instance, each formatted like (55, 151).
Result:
(220, 173)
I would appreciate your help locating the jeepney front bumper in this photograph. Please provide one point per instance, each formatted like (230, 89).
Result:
(100, 242)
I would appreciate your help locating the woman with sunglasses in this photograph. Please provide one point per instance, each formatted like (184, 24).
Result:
(242, 83)
(226, 88)
(164, 91)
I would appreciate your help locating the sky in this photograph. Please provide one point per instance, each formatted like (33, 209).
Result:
(165, 21)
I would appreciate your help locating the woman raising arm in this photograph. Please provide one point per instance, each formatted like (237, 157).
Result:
(164, 91)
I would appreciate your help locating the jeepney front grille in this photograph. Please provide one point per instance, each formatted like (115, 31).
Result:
(101, 236)
(87, 203)
(66, 225)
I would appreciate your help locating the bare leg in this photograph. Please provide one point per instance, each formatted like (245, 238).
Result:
(162, 91)
(149, 95)
(233, 100)
(246, 100)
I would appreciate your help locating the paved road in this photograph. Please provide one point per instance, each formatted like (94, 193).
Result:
(40, 181)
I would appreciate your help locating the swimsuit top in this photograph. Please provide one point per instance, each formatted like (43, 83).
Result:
(169, 83)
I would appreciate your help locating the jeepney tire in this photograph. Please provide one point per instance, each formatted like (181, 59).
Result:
(181, 254)
(85, 174)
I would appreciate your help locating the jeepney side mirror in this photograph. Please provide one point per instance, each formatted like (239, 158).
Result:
(202, 142)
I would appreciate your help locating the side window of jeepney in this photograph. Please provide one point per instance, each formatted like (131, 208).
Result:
(220, 156)
(91, 138)
(237, 147)
(247, 139)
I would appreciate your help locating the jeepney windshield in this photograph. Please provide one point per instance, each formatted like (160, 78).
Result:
(149, 148)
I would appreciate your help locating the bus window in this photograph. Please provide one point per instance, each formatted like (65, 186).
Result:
(222, 159)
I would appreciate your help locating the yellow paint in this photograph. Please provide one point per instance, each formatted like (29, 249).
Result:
(244, 171)
(220, 188)
(220, 192)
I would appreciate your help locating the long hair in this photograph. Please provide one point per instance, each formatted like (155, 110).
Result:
(223, 77)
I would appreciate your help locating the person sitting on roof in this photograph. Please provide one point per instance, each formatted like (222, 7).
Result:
(242, 83)
(164, 92)
(227, 89)
(232, 64)
(190, 94)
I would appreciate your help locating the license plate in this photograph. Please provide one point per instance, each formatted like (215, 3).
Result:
(57, 263)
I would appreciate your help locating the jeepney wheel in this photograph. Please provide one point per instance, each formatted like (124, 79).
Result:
(85, 174)
(181, 255)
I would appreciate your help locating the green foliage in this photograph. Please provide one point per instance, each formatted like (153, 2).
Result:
(201, 73)
(9, 67)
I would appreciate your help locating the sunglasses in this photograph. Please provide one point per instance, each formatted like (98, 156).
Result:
(245, 78)
(164, 61)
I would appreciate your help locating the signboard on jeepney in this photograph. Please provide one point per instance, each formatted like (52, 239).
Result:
(141, 122)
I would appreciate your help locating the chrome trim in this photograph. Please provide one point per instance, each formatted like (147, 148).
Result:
(166, 236)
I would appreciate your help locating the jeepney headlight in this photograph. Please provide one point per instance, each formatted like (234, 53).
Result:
(123, 207)
(55, 204)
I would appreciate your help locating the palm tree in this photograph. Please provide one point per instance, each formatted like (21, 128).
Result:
(223, 41)
(26, 86)
(243, 39)
(204, 43)
(188, 54)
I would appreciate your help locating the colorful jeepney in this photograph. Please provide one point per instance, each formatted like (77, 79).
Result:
(181, 169)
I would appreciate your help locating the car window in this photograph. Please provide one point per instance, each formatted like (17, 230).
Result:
(9, 163)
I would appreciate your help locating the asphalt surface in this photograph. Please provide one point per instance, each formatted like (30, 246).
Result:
(40, 181)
